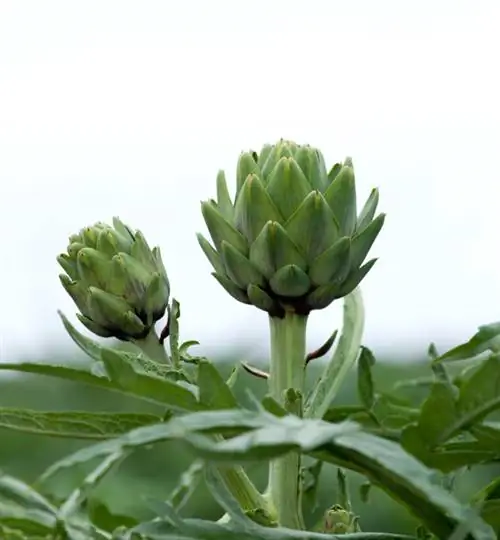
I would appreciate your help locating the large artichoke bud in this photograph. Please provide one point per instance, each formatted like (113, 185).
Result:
(117, 282)
(292, 240)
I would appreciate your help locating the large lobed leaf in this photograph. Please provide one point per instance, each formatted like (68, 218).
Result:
(260, 435)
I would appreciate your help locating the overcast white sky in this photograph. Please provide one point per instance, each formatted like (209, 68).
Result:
(129, 108)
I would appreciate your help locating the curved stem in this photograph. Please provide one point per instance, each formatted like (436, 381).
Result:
(286, 385)
(343, 358)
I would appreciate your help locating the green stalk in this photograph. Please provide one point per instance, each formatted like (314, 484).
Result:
(235, 477)
(343, 359)
(242, 488)
(286, 385)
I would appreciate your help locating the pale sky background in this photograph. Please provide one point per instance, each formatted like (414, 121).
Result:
(129, 108)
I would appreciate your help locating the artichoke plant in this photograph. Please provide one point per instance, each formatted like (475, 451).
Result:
(292, 240)
(117, 282)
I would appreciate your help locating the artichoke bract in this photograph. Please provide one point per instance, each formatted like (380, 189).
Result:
(118, 283)
(292, 240)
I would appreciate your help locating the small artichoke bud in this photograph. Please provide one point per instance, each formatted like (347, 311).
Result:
(292, 240)
(117, 282)
(337, 520)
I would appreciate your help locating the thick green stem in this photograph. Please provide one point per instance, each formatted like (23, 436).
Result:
(286, 385)
(152, 347)
(242, 488)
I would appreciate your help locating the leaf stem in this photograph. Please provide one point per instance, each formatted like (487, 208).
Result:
(152, 347)
(286, 385)
(343, 358)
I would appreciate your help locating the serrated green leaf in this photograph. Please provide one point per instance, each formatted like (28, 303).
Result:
(487, 338)
(67, 373)
(74, 424)
(213, 390)
(150, 388)
(264, 436)
(366, 389)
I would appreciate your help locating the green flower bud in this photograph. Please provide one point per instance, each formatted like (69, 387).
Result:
(337, 520)
(117, 282)
(292, 240)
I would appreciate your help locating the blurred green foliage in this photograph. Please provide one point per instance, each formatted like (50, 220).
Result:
(154, 471)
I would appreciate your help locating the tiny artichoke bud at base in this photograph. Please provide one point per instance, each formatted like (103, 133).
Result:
(117, 282)
(292, 240)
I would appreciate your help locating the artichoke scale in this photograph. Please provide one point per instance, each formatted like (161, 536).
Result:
(355, 278)
(341, 197)
(232, 288)
(313, 227)
(287, 186)
(253, 209)
(333, 264)
(368, 211)
(211, 254)
(220, 229)
(246, 167)
(259, 298)
(290, 281)
(362, 242)
(312, 165)
(240, 269)
(274, 249)
(224, 201)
